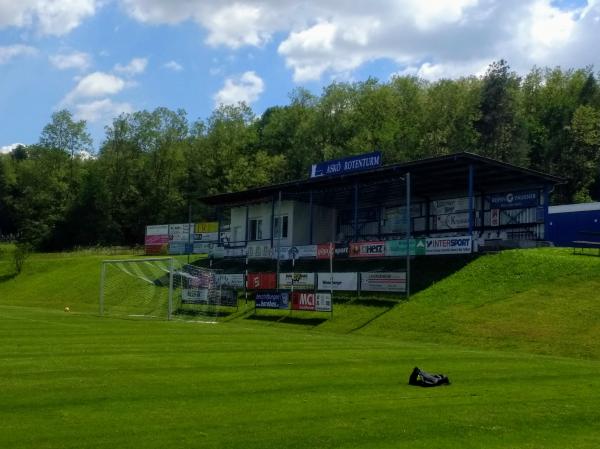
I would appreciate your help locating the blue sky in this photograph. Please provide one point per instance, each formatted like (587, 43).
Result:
(98, 58)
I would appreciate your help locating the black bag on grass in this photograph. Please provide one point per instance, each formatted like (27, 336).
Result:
(422, 379)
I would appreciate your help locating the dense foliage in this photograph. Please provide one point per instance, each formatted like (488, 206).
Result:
(152, 164)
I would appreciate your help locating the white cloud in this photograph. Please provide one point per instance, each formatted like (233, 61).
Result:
(50, 17)
(246, 88)
(436, 38)
(97, 84)
(9, 52)
(76, 60)
(8, 148)
(102, 111)
(173, 65)
(135, 67)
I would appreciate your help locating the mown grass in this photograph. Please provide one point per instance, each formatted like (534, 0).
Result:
(75, 380)
(544, 301)
(78, 381)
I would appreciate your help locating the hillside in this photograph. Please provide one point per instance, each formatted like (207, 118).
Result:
(544, 300)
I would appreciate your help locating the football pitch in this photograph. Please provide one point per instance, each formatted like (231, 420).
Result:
(80, 381)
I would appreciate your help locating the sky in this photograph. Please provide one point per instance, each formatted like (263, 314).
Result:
(99, 58)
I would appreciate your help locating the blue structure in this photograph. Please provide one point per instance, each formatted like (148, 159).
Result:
(572, 223)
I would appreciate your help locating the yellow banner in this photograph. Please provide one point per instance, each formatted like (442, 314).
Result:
(209, 226)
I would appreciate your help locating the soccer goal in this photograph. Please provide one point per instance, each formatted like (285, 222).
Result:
(137, 288)
(161, 288)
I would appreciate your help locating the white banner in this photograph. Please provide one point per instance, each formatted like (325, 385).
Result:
(206, 237)
(323, 303)
(179, 232)
(301, 280)
(295, 252)
(231, 280)
(452, 221)
(157, 230)
(341, 281)
(259, 251)
(449, 206)
(383, 282)
(448, 245)
(203, 248)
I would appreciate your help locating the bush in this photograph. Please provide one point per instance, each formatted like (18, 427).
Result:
(20, 255)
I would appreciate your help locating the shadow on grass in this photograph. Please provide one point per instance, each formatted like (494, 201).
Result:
(7, 277)
(288, 319)
(202, 313)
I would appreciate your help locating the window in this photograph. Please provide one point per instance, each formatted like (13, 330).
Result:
(284, 232)
(255, 230)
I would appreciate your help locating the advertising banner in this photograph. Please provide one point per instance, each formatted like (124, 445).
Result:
(383, 282)
(194, 295)
(324, 250)
(452, 221)
(210, 226)
(323, 303)
(272, 300)
(346, 165)
(157, 230)
(156, 239)
(449, 206)
(231, 280)
(230, 252)
(178, 248)
(448, 245)
(367, 249)
(341, 281)
(304, 301)
(228, 297)
(300, 280)
(259, 251)
(156, 250)
(206, 237)
(341, 251)
(397, 248)
(495, 217)
(261, 281)
(179, 232)
(202, 248)
(514, 200)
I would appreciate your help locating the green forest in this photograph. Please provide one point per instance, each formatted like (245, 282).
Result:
(151, 164)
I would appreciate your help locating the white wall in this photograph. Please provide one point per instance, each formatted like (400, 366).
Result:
(263, 212)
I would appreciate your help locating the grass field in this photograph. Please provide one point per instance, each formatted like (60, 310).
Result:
(74, 380)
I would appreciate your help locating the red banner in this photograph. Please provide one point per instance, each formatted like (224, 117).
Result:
(324, 250)
(367, 249)
(156, 239)
(154, 250)
(261, 281)
(304, 301)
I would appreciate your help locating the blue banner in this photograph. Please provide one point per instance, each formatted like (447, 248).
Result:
(272, 300)
(346, 165)
(514, 200)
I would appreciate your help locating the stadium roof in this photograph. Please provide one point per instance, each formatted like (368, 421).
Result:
(429, 177)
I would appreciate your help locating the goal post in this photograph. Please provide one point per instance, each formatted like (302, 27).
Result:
(162, 288)
(137, 287)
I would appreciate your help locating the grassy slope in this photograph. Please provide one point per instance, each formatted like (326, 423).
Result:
(545, 301)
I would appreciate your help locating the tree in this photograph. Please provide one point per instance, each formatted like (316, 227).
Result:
(502, 134)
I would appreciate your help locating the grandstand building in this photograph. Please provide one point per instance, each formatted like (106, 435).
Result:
(460, 203)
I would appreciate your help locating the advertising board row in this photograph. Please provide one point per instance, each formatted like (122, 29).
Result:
(392, 282)
(183, 238)
(300, 300)
(371, 249)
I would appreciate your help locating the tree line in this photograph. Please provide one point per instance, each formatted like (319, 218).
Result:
(152, 164)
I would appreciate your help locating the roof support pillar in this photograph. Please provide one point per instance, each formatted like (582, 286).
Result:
(355, 212)
(408, 233)
(272, 220)
(247, 223)
(471, 199)
(546, 214)
(310, 218)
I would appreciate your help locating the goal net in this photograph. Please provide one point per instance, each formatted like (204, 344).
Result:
(162, 288)
(140, 288)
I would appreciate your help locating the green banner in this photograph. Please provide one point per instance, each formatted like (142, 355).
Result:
(395, 248)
